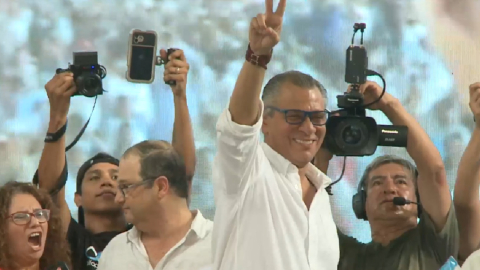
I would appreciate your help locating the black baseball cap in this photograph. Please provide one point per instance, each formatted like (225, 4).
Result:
(98, 158)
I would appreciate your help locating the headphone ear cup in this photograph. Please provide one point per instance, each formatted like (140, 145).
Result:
(358, 204)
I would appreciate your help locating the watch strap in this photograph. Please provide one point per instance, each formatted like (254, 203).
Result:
(257, 60)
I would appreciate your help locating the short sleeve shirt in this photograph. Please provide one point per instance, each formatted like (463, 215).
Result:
(421, 248)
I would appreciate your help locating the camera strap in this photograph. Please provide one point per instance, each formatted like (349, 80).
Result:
(77, 138)
(329, 187)
(64, 175)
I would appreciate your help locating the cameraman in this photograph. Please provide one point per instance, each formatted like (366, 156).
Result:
(399, 241)
(100, 218)
(466, 197)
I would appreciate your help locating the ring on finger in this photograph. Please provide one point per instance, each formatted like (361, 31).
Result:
(178, 70)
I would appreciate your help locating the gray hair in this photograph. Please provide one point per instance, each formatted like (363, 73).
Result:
(297, 78)
(387, 159)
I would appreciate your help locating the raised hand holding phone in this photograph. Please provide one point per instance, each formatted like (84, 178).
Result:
(176, 70)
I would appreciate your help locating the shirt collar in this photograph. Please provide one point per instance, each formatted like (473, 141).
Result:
(285, 167)
(199, 224)
(199, 228)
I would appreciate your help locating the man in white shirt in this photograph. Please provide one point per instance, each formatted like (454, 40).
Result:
(153, 188)
(272, 208)
(166, 234)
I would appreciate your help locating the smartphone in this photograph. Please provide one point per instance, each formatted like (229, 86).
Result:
(142, 56)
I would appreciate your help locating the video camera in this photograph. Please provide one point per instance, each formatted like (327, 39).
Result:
(87, 74)
(351, 132)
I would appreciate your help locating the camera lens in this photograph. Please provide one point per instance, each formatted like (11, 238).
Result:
(90, 85)
(352, 134)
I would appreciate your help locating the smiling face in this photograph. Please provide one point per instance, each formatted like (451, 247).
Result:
(26, 235)
(298, 143)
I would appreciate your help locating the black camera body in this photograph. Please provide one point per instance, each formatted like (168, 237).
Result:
(351, 132)
(87, 74)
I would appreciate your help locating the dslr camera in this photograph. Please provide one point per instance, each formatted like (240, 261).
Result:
(87, 74)
(351, 132)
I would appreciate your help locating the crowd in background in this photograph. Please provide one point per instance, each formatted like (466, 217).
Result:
(40, 36)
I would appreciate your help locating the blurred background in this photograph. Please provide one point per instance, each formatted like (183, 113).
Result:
(427, 50)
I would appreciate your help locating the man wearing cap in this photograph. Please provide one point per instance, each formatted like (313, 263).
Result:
(99, 218)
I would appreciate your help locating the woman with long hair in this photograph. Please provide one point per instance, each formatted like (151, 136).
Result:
(31, 237)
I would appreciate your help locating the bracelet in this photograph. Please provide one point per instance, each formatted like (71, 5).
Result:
(257, 60)
(53, 137)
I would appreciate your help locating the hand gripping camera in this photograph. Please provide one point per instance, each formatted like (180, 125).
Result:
(87, 74)
(352, 133)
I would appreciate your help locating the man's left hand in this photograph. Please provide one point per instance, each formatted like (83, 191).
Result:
(176, 70)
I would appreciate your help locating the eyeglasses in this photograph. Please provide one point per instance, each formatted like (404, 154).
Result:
(23, 218)
(297, 117)
(125, 189)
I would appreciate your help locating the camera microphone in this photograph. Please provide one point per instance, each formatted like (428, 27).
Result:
(402, 201)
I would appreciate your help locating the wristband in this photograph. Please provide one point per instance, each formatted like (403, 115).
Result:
(53, 137)
(257, 60)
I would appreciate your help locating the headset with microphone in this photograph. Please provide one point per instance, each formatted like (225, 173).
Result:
(402, 201)
(360, 198)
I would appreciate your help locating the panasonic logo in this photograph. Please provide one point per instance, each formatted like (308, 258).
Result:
(389, 131)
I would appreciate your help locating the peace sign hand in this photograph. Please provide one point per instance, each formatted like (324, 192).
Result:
(265, 29)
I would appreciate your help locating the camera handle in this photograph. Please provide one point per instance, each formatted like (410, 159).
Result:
(159, 61)
(355, 88)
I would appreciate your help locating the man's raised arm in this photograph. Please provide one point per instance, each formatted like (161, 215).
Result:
(52, 169)
(466, 197)
(432, 180)
(238, 127)
(264, 34)
(182, 138)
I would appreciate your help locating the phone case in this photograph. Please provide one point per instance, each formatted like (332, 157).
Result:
(129, 55)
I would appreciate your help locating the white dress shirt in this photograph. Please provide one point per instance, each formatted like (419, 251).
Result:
(127, 252)
(472, 262)
(261, 221)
